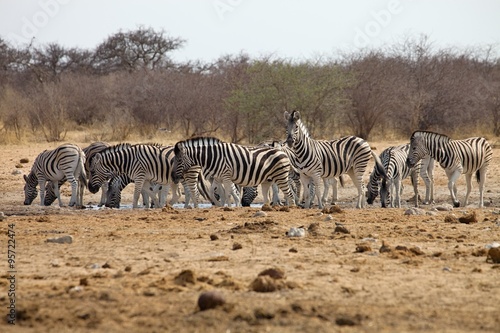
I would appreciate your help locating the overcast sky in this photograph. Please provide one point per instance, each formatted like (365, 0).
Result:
(287, 28)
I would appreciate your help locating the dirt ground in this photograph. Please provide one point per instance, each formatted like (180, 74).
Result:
(143, 270)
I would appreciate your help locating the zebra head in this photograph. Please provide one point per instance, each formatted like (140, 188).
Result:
(418, 149)
(30, 191)
(180, 163)
(98, 174)
(114, 193)
(372, 191)
(292, 127)
(384, 194)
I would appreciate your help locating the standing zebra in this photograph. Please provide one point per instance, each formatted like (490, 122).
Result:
(469, 156)
(320, 159)
(233, 164)
(67, 161)
(394, 161)
(143, 163)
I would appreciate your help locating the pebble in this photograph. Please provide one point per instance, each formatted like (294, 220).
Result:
(328, 218)
(260, 213)
(296, 232)
(415, 211)
(444, 208)
(2, 216)
(61, 240)
(210, 300)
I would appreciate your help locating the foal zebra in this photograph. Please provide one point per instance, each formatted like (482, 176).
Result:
(320, 159)
(468, 156)
(66, 161)
(233, 164)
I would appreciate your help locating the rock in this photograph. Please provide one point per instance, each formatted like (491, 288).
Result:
(260, 213)
(24, 160)
(237, 246)
(384, 248)
(275, 273)
(450, 219)
(267, 208)
(444, 208)
(328, 218)
(493, 255)
(61, 240)
(415, 211)
(2, 216)
(341, 229)
(468, 219)
(363, 247)
(214, 237)
(265, 284)
(185, 277)
(16, 172)
(296, 232)
(210, 299)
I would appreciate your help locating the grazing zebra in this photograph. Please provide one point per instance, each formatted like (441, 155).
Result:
(394, 162)
(90, 151)
(320, 159)
(233, 164)
(67, 161)
(143, 163)
(469, 156)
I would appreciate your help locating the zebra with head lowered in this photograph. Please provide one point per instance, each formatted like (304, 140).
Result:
(395, 167)
(233, 164)
(469, 156)
(320, 159)
(66, 161)
(143, 163)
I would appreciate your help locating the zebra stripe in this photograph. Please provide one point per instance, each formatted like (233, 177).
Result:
(142, 163)
(396, 169)
(469, 156)
(67, 161)
(117, 184)
(233, 164)
(320, 159)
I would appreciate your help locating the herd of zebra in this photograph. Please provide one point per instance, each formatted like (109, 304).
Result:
(301, 167)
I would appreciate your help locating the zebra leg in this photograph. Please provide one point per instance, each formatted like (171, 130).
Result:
(335, 187)
(358, 183)
(414, 182)
(427, 174)
(318, 184)
(284, 186)
(104, 193)
(74, 189)
(265, 192)
(481, 178)
(276, 197)
(41, 184)
(326, 190)
(138, 185)
(452, 178)
(397, 190)
(468, 181)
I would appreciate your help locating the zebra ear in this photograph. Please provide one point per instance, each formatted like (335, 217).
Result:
(296, 115)
(287, 116)
(25, 178)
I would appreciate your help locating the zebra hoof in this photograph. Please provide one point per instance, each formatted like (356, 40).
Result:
(456, 204)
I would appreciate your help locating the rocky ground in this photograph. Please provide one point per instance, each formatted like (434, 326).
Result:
(368, 270)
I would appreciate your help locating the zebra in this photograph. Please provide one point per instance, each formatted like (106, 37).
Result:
(68, 161)
(90, 151)
(394, 161)
(233, 164)
(456, 157)
(143, 163)
(320, 159)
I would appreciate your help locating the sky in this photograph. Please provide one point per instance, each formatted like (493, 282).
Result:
(295, 29)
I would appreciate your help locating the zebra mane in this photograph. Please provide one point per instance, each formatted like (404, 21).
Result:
(201, 141)
(115, 148)
(440, 137)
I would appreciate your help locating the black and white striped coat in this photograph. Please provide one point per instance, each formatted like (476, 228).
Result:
(51, 166)
(324, 159)
(469, 156)
(233, 164)
(143, 163)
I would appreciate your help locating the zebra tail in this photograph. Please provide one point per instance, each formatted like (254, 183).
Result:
(379, 165)
(478, 176)
(341, 180)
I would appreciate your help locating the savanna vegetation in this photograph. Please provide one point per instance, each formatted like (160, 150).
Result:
(129, 86)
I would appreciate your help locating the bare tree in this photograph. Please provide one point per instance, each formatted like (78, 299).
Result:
(143, 48)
